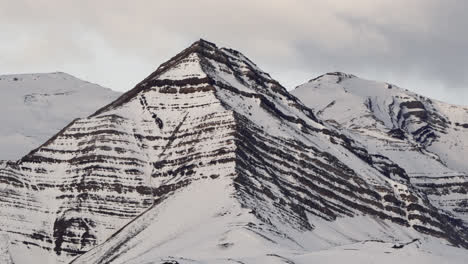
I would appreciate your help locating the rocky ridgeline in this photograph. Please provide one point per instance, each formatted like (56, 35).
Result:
(208, 114)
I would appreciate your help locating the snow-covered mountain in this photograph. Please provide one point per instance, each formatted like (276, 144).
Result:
(210, 160)
(34, 107)
(425, 137)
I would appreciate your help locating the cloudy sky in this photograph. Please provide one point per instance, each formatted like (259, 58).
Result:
(420, 45)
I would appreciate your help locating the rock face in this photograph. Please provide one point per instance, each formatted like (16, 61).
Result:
(34, 107)
(210, 159)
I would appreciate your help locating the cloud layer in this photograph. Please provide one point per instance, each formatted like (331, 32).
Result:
(418, 44)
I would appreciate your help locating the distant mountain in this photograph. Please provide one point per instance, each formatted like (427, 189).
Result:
(34, 107)
(210, 160)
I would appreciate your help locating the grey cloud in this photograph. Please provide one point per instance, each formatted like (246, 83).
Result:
(418, 43)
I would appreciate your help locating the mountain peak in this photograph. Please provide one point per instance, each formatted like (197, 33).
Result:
(204, 43)
(338, 76)
(204, 63)
(198, 47)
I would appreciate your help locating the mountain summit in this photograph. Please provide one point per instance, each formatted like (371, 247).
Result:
(210, 160)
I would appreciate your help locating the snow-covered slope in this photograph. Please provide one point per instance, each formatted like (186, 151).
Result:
(356, 103)
(425, 137)
(210, 160)
(34, 107)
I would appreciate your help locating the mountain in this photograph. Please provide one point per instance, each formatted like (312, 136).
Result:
(425, 137)
(210, 160)
(34, 107)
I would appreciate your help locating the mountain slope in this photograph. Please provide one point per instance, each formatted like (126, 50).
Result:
(36, 106)
(439, 127)
(427, 138)
(210, 160)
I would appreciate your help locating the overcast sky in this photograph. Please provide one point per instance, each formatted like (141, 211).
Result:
(420, 45)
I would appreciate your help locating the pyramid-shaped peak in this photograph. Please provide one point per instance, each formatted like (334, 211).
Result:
(204, 59)
(206, 53)
(203, 63)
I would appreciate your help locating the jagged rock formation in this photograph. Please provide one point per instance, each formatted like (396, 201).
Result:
(36, 106)
(208, 158)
